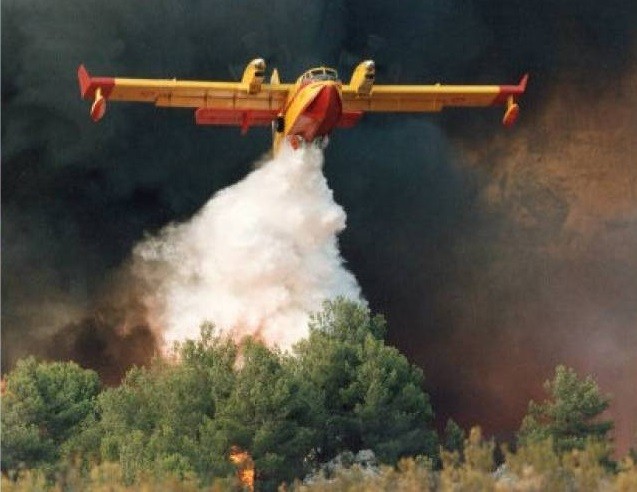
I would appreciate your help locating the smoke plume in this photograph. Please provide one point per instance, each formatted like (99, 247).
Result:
(545, 266)
(255, 260)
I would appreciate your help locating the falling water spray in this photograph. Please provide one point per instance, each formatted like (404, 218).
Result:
(256, 260)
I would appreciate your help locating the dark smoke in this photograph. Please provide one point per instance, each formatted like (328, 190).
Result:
(96, 342)
(115, 334)
(494, 254)
(545, 267)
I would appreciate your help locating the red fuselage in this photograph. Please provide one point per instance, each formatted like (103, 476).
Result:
(322, 111)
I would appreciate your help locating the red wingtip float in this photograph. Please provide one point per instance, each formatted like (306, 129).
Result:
(508, 95)
(306, 111)
(98, 108)
(96, 88)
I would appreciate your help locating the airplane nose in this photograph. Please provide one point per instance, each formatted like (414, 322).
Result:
(321, 115)
(328, 98)
(333, 97)
(328, 108)
(331, 91)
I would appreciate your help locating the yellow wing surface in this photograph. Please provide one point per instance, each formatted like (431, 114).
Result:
(248, 102)
(362, 95)
(251, 102)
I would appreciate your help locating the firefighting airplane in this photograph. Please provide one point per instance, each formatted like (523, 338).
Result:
(303, 112)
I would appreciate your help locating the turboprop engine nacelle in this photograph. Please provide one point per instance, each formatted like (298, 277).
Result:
(363, 77)
(253, 75)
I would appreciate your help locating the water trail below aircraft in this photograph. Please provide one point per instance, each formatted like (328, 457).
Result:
(255, 260)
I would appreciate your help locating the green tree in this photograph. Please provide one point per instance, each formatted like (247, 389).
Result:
(344, 389)
(372, 396)
(43, 408)
(153, 422)
(571, 415)
(271, 412)
(183, 419)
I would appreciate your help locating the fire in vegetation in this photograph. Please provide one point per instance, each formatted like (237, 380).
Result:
(245, 466)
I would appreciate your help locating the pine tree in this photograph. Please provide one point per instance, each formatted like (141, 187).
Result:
(571, 415)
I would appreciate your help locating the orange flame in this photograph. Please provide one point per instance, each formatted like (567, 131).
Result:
(245, 467)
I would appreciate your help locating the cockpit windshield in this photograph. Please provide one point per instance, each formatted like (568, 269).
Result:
(322, 73)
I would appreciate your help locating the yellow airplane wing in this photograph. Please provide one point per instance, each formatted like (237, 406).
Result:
(245, 103)
(362, 95)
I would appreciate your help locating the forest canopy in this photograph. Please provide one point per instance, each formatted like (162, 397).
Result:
(341, 392)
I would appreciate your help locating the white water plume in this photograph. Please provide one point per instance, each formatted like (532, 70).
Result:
(255, 260)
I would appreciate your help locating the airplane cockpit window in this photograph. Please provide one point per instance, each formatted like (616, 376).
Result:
(318, 74)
